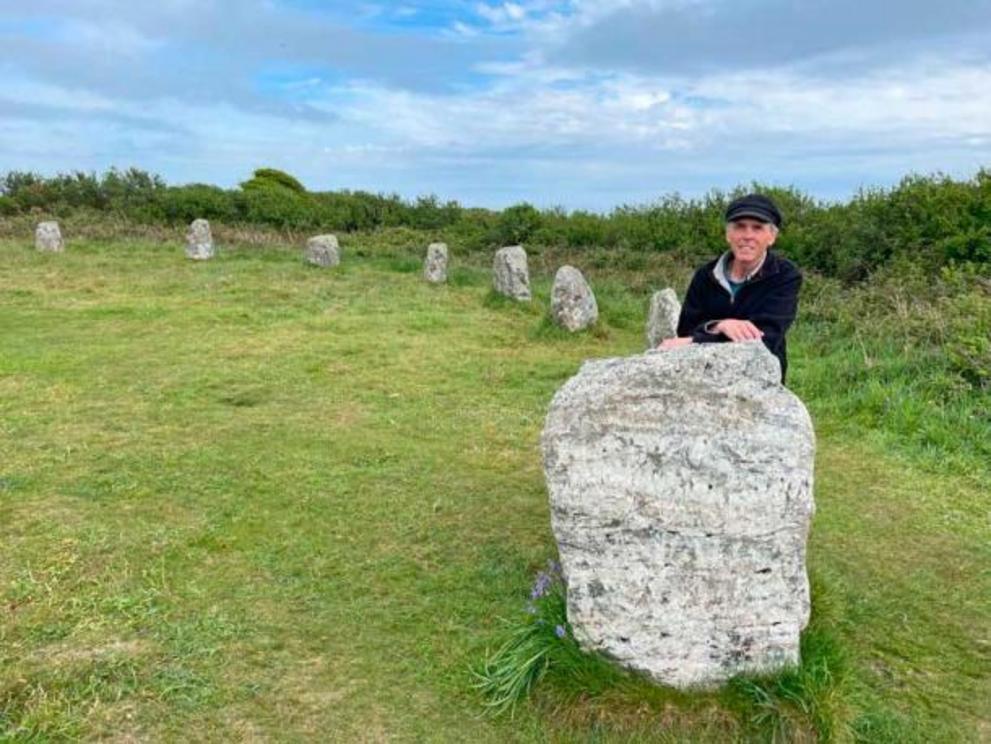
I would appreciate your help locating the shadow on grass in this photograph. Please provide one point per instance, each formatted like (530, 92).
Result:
(545, 329)
(466, 276)
(495, 301)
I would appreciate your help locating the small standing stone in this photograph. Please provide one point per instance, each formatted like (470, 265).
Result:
(573, 305)
(199, 241)
(323, 250)
(435, 265)
(662, 319)
(510, 275)
(48, 237)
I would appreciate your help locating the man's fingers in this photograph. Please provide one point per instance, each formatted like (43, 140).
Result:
(740, 330)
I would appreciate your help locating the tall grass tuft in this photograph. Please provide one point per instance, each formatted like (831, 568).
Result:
(538, 642)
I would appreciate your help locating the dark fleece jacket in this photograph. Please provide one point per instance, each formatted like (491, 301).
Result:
(769, 300)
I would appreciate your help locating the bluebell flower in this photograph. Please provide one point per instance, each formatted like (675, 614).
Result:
(541, 585)
(560, 631)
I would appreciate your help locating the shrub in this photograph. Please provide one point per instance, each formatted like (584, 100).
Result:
(968, 336)
(265, 178)
(277, 206)
(974, 245)
(517, 224)
(132, 191)
(427, 213)
(187, 203)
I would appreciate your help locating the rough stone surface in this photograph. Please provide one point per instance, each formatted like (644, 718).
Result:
(323, 250)
(681, 495)
(573, 305)
(199, 241)
(510, 275)
(435, 265)
(48, 237)
(662, 318)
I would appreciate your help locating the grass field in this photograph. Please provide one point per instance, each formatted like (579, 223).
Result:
(250, 500)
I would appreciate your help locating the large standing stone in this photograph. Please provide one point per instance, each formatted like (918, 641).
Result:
(681, 495)
(662, 318)
(572, 303)
(435, 265)
(510, 275)
(199, 241)
(48, 237)
(323, 250)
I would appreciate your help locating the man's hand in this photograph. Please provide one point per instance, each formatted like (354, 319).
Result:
(738, 330)
(673, 343)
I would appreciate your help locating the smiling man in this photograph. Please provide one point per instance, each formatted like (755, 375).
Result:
(748, 293)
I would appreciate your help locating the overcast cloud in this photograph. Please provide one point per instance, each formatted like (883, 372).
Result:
(577, 103)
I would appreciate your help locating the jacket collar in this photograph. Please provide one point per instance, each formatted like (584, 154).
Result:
(720, 272)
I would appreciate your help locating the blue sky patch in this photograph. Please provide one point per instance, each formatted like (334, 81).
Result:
(580, 103)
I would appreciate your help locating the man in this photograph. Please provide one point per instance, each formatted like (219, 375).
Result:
(748, 293)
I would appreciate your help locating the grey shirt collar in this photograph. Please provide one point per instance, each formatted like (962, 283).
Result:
(721, 270)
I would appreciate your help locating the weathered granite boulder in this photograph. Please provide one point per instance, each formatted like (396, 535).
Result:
(435, 265)
(199, 241)
(573, 305)
(510, 275)
(48, 237)
(323, 250)
(662, 318)
(681, 495)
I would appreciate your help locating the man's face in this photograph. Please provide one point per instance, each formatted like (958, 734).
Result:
(749, 239)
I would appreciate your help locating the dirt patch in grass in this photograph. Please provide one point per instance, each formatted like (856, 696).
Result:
(76, 652)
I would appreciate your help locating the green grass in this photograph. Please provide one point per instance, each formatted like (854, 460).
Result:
(255, 500)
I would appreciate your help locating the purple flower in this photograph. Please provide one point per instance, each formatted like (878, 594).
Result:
(560, 632)
(541, 585)
(554, 567)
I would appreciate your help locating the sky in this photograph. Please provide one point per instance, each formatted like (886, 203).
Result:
(584, 104)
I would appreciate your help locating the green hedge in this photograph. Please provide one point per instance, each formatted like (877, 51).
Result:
(932, 221)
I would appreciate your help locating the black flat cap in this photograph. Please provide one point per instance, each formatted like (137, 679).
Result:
(757, 206)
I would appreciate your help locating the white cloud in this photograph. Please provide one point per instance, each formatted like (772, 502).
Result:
(506, 121)
(524, 108)
(107, 37)
(460, 28)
